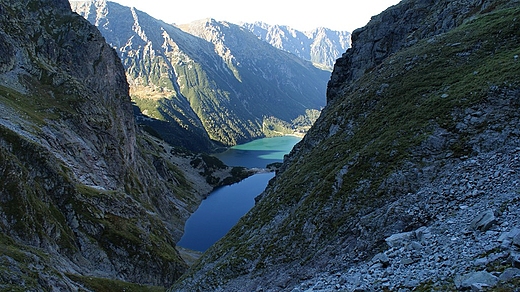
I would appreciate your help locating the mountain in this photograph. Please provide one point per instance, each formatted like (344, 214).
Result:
(409, 179)
(88, 201)
(321, 46)
(212, 80)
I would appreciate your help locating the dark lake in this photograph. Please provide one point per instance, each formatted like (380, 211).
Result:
(225, 206)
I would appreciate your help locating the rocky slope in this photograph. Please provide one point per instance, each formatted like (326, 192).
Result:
(321, 46)
(86, 199)
(409, 179)
(209, 81)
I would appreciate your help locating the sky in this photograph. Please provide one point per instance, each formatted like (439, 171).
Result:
(343, 15)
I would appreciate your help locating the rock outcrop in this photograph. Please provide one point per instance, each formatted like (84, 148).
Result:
(408, 180)
(85, 196)
(400, 26)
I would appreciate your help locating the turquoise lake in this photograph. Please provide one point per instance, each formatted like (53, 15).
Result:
(226, 205)
(259, 153)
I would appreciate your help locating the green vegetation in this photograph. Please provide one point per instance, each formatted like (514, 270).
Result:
(23, 257)
(394, 108)
(109, 285)
(148, 106)
(213, 87)
(126, 232)
(430, 286)
(372, 131)
(34, 110)
(209, 164)
(273, 126)
(237, 174)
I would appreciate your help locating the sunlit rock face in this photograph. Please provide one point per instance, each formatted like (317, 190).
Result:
(210, 83)
(321, 46)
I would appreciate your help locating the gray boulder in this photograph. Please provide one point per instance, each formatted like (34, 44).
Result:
(484, 221)
(509, 274)
(399, 239)
(515, 259)
(476, 279)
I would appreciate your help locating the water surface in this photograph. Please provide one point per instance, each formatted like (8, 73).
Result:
(223, 208)
(259, 153)
(221, 211)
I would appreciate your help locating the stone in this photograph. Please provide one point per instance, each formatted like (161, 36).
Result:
(515, 259)
(481, 262)
(407, 261)
(399, 239)
(484, 221)
(422, 233)
(516, 240)
(381, 258)
(477, 279)
(514, 232)
(509, 274)
(479, 287)
(416, 246)
(506, 244)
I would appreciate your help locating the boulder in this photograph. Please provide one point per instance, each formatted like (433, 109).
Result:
(515, 259)
(422, 233)
(476, 279)
(509, 274)
(381, 258)
(399, 239)
(516, 239)
(484, 221)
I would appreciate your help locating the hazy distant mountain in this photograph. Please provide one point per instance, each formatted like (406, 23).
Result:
(322, 46)
(218, 82)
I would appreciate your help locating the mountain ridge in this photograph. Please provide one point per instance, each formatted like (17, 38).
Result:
(87, 199)
(322, 46)
(417, 144)
(229, 86)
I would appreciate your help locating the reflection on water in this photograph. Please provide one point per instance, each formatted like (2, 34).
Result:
(221, 211)
(223, 208)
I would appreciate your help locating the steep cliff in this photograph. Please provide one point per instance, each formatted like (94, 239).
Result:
(84, 195)
(409, 179)
(209, 81)
(400, 26)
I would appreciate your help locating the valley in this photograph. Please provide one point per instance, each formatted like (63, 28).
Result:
(224, 206)
(396, 163)
(209, 84)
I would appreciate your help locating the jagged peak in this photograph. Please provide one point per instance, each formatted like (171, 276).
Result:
(137, 27)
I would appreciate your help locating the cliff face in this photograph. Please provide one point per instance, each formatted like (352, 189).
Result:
(408, 180)
(84, 195)
(399, 26)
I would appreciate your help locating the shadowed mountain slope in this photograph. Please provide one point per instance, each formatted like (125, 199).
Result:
(87, 201)
(409, 179)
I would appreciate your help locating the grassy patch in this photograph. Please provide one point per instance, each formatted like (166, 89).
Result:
(393, 108)
(18, 275)
(109, 285)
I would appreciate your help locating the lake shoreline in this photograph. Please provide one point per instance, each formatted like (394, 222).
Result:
(225, 205)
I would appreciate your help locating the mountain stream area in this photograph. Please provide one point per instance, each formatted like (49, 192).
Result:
(222, 209)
